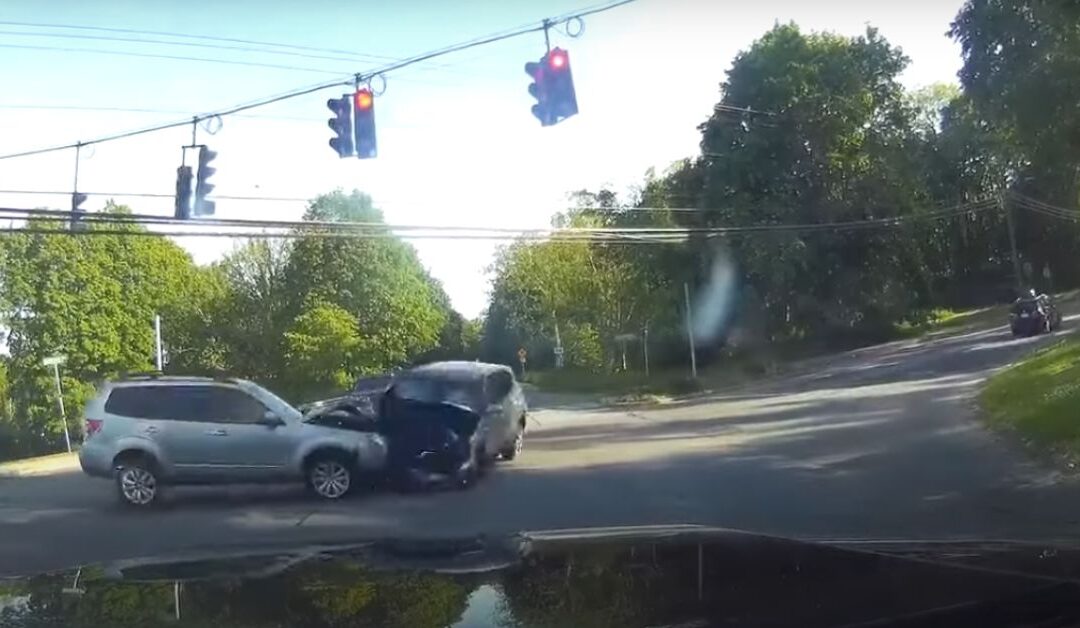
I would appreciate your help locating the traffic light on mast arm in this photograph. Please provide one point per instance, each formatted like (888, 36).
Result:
(77, 199)
(341, 124)
(552, 87)
(183, 193)
(203, 206)
(364, 114)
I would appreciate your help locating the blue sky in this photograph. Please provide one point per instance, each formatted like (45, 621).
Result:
(457, 144)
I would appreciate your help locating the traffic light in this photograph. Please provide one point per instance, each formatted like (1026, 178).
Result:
(77, 200)
(341, 124)
(364, 110)
(183, 193)
(203, 187)
(552, 87)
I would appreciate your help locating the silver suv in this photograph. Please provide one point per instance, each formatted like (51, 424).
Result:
(146, 432)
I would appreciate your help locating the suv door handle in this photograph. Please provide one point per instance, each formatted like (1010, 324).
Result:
(216, 433)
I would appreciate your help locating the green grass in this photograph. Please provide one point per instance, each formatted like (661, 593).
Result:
(941, 319)
(1038, 399)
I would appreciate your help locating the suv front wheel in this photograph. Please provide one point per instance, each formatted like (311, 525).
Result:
(137, 482)
(329, 476)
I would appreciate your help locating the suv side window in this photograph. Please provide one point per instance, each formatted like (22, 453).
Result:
(498, 386)
(218, 404)
(138, 402)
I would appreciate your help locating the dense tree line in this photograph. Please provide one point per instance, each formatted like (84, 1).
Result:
(811, 128)
(816, 128)
(304, 316)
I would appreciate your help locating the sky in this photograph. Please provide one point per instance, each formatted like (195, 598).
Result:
(457, 142)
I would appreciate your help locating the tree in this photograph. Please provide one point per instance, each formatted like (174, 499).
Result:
(92, 298)
(1019, 60)
(828, 138)
(378, 279)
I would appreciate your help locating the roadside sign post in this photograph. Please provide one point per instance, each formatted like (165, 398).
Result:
(522, 355)
(55, 361)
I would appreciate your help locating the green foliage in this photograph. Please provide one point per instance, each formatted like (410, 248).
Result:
(583, 347)
(1017, 57)
(304, 316)
(92, 298)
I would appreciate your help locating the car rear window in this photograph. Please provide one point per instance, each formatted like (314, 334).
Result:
(467, 393)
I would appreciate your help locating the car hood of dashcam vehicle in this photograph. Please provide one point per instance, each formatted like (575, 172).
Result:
(638, 576)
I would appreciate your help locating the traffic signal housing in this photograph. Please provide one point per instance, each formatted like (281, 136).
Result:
(77, 199)
(364, 114)
(341, 124)
(182, 208)
(203, 206)
(552, 87)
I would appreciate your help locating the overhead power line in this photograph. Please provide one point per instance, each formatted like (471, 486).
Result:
(190, 36)
(351, 57)
(1035, 203)
(375, 229)
(291, 199)
(152, 55)
(345, 81)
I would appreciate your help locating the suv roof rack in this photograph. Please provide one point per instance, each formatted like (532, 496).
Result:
(141, 375)
(217, 376)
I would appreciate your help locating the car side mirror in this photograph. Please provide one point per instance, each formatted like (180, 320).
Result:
(269, 419)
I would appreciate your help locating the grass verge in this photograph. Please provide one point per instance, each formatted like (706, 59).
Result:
(41, 465)
(1037, 399)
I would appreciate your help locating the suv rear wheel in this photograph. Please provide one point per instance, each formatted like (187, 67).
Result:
(136, 481)
(329, 476)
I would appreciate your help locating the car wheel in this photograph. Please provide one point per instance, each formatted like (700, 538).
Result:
(137, 483)
(514, 450)
(329, 476)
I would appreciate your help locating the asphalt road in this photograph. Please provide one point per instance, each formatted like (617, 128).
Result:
(880, 443)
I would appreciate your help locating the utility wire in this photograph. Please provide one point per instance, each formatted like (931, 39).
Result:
(292, 199)
(153, 55)
(346, 229)
(1022, 199)
(390, 67)
(191, 37)
(352, 58)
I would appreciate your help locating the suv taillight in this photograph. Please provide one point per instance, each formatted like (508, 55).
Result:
(93, 426)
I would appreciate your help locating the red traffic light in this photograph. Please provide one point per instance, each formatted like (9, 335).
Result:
(364, 99)
(557, 59)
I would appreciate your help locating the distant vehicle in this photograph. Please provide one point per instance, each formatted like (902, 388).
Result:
(451, 420)
(150, 431)
(1033, 314)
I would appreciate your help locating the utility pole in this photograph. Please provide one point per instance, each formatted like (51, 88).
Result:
(55, 361)
(645, 347)
(690, 330)
(1012, 244)
(157, 343)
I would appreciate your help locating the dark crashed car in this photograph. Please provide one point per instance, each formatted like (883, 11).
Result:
(1032, 315)
(443, 423)
(449, 421)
